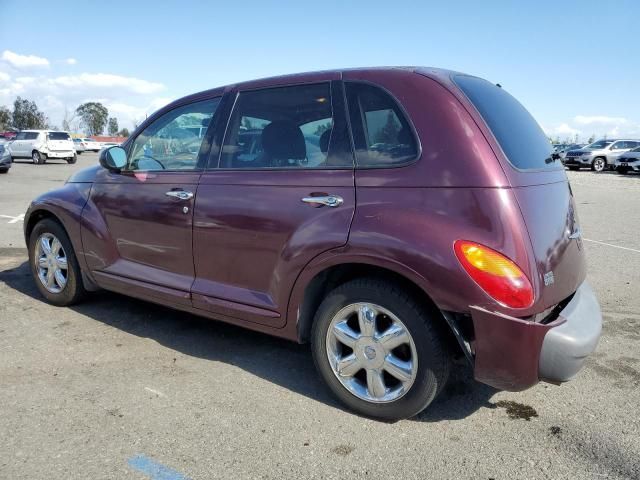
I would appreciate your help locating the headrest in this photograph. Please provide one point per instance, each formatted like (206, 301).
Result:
(283, 140)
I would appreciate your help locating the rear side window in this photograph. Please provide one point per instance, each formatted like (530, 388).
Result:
(381, 133)
(519, 135)
(58, 136)
(285, 127)
(30, 135)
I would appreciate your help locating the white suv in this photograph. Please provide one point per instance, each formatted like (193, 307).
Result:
(599, 155)
(40, 145)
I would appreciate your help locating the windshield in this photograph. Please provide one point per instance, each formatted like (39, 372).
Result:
(519, 135)
(58, 136)
(637, 149)
(599, 144)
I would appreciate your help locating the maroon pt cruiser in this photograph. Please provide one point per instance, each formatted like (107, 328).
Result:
(391, 217)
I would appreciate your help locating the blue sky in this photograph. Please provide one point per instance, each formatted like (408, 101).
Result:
(575, 65)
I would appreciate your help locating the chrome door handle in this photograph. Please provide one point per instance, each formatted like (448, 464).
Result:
(329, 200)
(180, 194)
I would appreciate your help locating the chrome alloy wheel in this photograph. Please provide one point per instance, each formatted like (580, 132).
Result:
(51, 263)
(371, 353)
(599, 164)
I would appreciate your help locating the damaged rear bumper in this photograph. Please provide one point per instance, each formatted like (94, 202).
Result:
(514, 354)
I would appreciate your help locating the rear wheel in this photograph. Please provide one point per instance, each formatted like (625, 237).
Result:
(598, 164)
(4, 170)
(73, 159)
(379, 350)
(38, 158)
(54, 264)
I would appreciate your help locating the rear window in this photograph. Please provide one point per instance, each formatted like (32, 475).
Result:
(58, 136)
(519, 135)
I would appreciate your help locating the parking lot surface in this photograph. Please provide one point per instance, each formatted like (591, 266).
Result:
(120, 388)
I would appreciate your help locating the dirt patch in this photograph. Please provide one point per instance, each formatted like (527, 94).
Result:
(343, 450)
(517, 410)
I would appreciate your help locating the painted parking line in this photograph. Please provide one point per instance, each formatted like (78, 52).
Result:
(13, 219)
(611, 245)
(153, 469)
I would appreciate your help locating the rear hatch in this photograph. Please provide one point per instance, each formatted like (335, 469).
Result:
(541, 187)
(59, 141)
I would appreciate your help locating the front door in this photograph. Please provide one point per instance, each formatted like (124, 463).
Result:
(280, 193)
(137, 231)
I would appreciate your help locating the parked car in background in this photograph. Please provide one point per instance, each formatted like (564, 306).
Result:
(41, 145)
(562, 150)
(8, 135)
(628, 161)
(79, 145)
(600, 155)
(91, 145)
(5, 158)
(393, 218)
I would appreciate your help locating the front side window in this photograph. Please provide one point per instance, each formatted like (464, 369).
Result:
(30, 135)
(283, 127)
(599, 145)
(21, 136)
(619, 146)
(381, 133)
(173, 141)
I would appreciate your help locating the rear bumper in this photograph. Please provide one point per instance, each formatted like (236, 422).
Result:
(513, 354)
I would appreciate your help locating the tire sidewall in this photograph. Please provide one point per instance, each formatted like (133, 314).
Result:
(430, 350)
(74, 289)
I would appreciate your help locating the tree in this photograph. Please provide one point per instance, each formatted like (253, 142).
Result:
(5, 118)
(124, 132)
(388, 133)
(94, 116)
(112, 127)
(323, 127)
(592, 138)
(27, 116)
(67, 119)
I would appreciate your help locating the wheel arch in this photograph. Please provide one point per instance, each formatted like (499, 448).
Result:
(317, 281)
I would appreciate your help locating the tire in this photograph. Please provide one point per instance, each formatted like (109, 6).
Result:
(4, 170)
(73, 159)
(38, 158)
(389, 306)
(622, 171)
(73, 289)
(599, 164)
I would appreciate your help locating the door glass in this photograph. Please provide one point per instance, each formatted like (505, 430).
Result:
(173, 141)
(31, 135)
(283, 127)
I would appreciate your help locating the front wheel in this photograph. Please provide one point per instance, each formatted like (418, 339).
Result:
(38, 158)
(54, 265)
(599, 164)
(379, 350)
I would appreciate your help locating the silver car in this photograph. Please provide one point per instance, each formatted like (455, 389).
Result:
(599, 155)
(628, 162)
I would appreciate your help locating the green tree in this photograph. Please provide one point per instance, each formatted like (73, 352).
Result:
(26, 115)
(94, 116)
(5, 118)
(124, 132)
(112, 127)
(323, 128)
(389, 132)
(592, 138)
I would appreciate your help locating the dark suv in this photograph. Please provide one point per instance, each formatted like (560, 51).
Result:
(392, 217)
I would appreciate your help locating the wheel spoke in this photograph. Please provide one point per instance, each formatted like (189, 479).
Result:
(345, 334)
(62, 262)
(367, 321)
(348, 366)
(375, 383)
(45, 245)
(50, 278)
(43, 263)
(398, 368)
(393, 337)
(55, 246)
(60, 279)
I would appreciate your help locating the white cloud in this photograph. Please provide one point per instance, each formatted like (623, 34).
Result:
(23, 61)
(4, 77)
(71, 61)
(599, 119)
(106, 80)
(597, 125)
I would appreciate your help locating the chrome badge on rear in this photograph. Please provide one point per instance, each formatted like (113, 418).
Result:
(549, 278)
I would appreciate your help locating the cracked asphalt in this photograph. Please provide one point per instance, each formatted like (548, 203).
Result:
(84, 390)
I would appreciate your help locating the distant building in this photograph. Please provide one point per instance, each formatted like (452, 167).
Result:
(107, 139)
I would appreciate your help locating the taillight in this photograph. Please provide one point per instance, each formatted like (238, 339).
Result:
(498, 276)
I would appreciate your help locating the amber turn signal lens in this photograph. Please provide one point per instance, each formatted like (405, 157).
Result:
(498, 276)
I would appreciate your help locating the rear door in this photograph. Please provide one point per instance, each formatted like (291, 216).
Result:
(17, 146)
(540, 185)
(280, 193)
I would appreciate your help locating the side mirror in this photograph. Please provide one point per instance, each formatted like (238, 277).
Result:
(113, 159)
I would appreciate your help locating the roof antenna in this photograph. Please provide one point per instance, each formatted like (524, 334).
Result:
(498, 85)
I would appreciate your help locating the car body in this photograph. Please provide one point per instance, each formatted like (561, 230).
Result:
(5, 158)
(628, 161)
(599, 155)
(41, 145)
(418, 225)
(8, 135)
(79, 145)
(91, 145)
